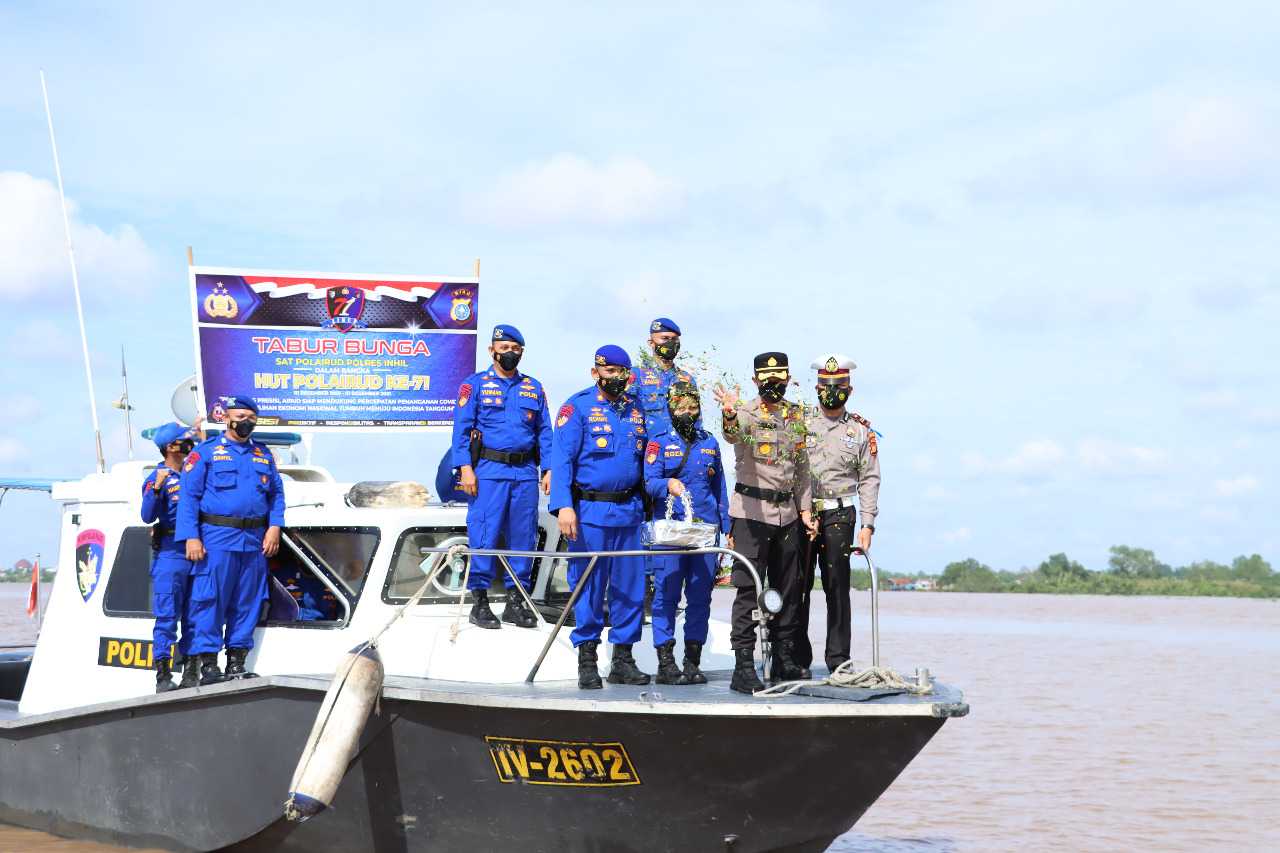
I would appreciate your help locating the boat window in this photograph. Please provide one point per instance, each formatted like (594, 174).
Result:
(409, 567)
(129, 587)
(557, 590)
(323, 571)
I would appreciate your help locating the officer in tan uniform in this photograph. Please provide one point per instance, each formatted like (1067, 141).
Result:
(769, 512)
(845, 471)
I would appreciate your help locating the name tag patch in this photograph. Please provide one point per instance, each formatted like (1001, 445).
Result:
(549, 762)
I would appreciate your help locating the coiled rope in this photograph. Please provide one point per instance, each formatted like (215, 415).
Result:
(847, 674)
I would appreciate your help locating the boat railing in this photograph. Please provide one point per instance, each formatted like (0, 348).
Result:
(875, 604)
(768, 601)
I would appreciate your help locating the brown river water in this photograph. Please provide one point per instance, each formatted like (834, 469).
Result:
(1098, 724)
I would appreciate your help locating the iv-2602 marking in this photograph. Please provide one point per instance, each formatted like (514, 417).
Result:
(551, 762)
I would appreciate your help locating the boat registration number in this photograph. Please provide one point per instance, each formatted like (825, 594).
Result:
(551, 762)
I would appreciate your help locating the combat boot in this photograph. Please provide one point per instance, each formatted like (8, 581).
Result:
(235, 664)
(517, 611)
(623, 669)
(783, 667)
(692, 662)
(209, 671)
(164, 681)
(668, 672)
(588, 673)
(481, 615)
(190, 672)
(745, 679)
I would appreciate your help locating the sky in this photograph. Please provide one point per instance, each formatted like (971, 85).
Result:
(1044, 232)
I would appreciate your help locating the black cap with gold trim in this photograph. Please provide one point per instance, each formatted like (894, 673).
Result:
(772, 365)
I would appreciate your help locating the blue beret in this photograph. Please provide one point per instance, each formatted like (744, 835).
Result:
(508, 333)
(611, 354)
(169, 433)
(662, 324)
(242, 402)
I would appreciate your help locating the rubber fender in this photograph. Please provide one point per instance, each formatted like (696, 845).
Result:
(342, 717)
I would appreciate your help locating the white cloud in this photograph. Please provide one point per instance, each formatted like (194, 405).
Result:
(1162, 502)
(1225, 295)
(1034, 308)
(1234, 488)
(571, 191)
(1030, 461)
(33, 246)
(959, 535)
(12, 451)
(923, 464)
(1123, 460)
(934, 493)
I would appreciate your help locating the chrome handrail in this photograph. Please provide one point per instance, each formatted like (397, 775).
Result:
(761, 615)
(875, 604)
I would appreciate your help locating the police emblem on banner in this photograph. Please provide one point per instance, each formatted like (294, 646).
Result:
(345, 305)
(460, 311)
(90, 547)
(220, 303)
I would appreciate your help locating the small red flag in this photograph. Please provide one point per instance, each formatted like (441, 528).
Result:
(35, 589)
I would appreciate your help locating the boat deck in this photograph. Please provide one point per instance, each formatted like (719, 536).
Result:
(713, 698)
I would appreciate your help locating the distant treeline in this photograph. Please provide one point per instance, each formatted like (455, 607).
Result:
(24, 576)
(1130, 571)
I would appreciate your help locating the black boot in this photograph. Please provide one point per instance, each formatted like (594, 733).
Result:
(668, 672)
(164, 681)
(745, 679)
(190, 672)
(588, 674)
(235, 664)
(622, 669)
(692, 662)
(209, 671)
(481, 615)
(517, 611)
(783, 667)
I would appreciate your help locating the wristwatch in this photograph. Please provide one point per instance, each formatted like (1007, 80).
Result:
(870, 527)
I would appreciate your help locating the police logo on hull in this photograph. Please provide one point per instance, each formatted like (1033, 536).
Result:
(550, 762)
(345, 305)
(90, 547)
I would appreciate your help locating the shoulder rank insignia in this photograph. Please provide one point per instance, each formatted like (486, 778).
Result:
(860, 419)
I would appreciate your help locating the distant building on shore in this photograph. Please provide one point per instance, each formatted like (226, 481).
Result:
(911, 583)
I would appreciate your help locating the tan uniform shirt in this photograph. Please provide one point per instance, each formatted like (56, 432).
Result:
(843, 461)
(770, 454)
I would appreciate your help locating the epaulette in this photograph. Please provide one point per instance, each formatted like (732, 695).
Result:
(860, 419)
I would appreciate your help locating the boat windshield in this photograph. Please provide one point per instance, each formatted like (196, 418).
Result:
(410, 567)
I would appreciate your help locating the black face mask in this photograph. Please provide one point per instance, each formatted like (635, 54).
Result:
(185, 447)
(242, 428)
(507, 360)
(773, 390)
(833, 396)
(614, 386)
(684, 423)
(668, 350)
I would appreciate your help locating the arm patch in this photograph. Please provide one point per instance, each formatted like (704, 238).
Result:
(566, 411)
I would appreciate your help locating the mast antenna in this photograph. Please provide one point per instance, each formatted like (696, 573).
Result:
(75, 281)
(123, 403)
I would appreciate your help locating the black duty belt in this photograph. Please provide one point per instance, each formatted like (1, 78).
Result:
(232, 521)
(762, 494)
(582, 494)
(514, 457)
(165, 531)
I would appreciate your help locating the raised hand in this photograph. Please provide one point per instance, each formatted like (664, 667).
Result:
(728, 399)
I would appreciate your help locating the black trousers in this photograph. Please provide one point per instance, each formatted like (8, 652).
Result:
(775, 552)
(829, 552)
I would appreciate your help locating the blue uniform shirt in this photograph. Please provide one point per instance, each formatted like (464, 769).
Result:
(316, 602)
(163, 508)
(703, 476)
(651, 385)
(599, 445)
(449, 484)
(511, 415)
(233, 478)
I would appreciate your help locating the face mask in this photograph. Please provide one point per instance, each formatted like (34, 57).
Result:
(684, 423)
(773, 390)
(668, 350)
(613, 387)
(508, 360)
(242, 428)
(833, 396)
(185, 447)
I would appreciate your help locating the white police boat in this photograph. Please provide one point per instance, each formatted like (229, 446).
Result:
(462, 751)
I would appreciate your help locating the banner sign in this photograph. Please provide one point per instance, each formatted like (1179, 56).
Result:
(329, 351)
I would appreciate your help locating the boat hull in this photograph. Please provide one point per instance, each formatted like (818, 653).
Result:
(212, 771)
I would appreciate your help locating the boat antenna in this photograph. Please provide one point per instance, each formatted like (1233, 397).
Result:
(123, 403)
(75, 281)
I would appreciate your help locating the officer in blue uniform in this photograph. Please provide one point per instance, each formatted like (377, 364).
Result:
(501, 433)
(170, 568)
(316, 602)
(230, 514)
(596, 479)
(685, 457)
(449, 481)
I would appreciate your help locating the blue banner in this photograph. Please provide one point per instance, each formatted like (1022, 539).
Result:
(329, 351)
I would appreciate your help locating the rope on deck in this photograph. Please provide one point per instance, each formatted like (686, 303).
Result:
(847, 674)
